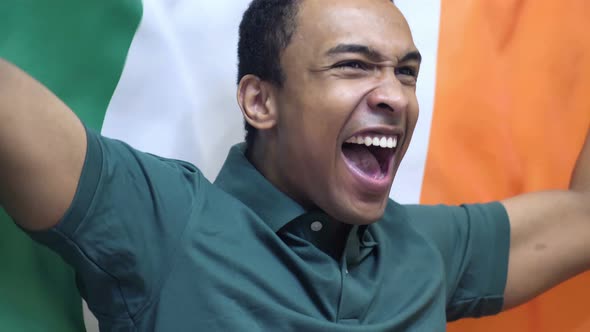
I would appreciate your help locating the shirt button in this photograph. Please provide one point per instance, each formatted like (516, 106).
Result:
(316, 226)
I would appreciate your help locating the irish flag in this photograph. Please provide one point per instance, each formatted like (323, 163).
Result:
(504, 110)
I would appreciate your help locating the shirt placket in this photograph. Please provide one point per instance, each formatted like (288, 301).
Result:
(352, 299)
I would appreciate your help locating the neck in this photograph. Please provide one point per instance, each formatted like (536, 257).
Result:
(262, 157)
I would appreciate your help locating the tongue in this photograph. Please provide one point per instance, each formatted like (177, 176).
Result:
(362, 159)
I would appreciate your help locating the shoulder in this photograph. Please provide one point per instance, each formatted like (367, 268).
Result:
(444, 224)
(443, 215)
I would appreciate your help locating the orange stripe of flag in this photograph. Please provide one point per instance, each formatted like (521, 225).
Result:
(511, 112)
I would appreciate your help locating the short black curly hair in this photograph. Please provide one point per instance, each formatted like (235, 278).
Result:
(265, 31)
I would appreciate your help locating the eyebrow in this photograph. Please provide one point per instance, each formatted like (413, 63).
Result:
(412, 56)
(370, 53)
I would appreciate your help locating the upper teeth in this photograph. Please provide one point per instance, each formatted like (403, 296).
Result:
(382, 141)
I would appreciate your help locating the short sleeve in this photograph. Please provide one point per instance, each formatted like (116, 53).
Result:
(474, 242)
(124, 225)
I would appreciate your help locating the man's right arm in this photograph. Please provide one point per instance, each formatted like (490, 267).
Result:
(42, 151)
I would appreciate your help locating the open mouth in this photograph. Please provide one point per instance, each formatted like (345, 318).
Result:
(371, 155)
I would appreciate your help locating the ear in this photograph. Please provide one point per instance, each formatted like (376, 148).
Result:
(255, 98)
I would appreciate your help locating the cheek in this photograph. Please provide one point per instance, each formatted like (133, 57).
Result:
(413, 116)
(321, 122)
(312, 118)
(411, 121)
(412, 111)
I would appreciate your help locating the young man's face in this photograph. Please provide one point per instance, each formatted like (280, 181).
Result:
(350, 73)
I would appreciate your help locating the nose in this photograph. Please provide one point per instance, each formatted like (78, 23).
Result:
(389, 95)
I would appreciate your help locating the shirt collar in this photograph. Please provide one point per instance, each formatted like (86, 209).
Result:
(239, 178)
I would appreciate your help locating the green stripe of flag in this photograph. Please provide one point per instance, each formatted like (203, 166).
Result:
(77, 48)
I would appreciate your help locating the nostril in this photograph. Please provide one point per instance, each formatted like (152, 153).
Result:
(384, 106)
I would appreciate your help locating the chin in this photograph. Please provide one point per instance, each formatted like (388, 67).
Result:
(361, 213)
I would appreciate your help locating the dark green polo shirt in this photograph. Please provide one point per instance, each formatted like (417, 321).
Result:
(159, 248)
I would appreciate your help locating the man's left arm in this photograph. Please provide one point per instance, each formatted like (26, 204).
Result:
(550, 236)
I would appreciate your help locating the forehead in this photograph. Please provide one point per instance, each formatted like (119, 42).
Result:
(321, 24)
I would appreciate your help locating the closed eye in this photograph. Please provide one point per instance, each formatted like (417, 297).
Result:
(354, 65)
(407, 71)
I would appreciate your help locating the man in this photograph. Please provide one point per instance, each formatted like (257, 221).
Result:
(328, 91)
